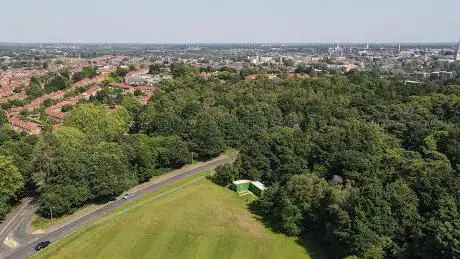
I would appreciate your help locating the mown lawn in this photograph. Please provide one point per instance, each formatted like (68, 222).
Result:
(201, 220)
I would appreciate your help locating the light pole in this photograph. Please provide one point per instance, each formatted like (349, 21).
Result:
(51, 212)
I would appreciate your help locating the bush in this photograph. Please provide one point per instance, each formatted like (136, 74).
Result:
(225, 174)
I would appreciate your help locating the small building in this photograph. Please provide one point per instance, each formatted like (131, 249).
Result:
(421, 76)
(257, 188)
(242, 186)
(443, 75)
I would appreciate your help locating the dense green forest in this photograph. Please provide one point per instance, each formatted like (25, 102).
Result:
(368, 166)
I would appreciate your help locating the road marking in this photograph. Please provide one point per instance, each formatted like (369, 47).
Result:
(106, 215)
(10, 242)
(33, 240)
(15, 216)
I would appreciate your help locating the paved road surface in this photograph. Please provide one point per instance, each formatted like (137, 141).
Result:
(19, 224)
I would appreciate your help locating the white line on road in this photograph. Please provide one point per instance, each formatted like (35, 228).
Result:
(15, 216)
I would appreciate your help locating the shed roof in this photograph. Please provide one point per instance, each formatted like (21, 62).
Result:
(259, 185)
(241, 181)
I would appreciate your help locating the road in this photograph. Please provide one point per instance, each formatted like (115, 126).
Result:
(17, 226)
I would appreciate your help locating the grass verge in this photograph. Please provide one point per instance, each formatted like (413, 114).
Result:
(192, 218)
(41, 223)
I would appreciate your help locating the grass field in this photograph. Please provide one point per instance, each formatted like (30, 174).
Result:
(40, 223)
(201, 220)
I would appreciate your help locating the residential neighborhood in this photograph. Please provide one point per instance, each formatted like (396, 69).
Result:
(411, 63)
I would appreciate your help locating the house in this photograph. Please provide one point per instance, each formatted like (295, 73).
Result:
(205, 75)
(131, 89)
(37, 102)
(250, 77)
(421, 75)
(140, 80)
(56, 110)
(145, 88)
(86, 81)
(412, 82)
(19, 125)
(144, 99)
(443, 75)
(243, 186)
(120, 86)
(90, 92)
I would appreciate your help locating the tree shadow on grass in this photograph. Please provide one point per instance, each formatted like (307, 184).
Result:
(308, 241)
(262, 217)
(315, 248)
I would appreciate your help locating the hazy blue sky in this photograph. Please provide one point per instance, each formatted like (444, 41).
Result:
(192, 21)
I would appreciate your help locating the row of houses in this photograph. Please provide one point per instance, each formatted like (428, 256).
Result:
(40, 100)
(437, 75)
(30, 127)
(12, 79)
(276, 76)
(86, 81)
(141, 77)
(20, 125)
(147, 91)
(56, 110)
(132, 89)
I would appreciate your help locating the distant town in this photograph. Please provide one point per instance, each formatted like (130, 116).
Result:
(141, 67)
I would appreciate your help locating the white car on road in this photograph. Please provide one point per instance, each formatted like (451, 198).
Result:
(128, 195)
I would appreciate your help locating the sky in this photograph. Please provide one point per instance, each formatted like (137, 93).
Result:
(230, 21)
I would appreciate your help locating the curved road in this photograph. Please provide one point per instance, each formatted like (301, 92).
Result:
(16, 227)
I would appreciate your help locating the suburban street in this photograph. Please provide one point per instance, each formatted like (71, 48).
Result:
(15, 226)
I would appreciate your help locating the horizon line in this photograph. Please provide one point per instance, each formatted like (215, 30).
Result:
(228, 43)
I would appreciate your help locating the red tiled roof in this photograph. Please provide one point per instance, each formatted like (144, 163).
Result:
(98, 79)
(205, 74)
(145, 88)
(250, 77)
(55, 110)
(138, 72)
(20, 96)
(120, 85)
(25, 126)
(144, 99)
(93, 90)
(56, 126)
(37, 102)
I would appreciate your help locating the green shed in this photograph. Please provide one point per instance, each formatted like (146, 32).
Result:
(242, 185)
(255, 187)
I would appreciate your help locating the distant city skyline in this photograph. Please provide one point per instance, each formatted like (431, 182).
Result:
(236, 21)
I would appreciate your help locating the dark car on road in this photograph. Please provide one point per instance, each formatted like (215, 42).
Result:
(42, 245)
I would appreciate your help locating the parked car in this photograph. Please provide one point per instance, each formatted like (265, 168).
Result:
(128, 195)
(42, 245)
